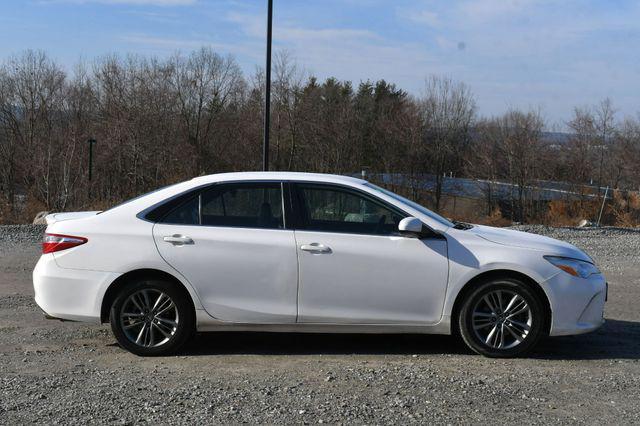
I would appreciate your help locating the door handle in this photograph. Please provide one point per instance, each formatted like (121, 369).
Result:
(315, 248)
(177, 239)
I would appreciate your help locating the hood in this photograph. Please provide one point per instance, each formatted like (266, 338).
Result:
(512, 238)
(59, 217)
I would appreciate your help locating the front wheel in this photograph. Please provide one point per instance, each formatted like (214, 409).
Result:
(501, 318)
(151, 318)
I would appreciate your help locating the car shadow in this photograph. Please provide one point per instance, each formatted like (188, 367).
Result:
(615, 340)
(262, 343)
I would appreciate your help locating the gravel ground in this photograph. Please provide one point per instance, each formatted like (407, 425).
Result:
(53, 372)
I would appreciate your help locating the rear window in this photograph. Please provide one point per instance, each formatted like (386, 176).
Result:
(138, 197)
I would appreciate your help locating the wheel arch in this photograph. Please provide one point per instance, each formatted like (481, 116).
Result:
(138, 274)
(495, 274)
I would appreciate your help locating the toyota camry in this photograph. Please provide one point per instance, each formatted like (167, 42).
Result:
(298, 252)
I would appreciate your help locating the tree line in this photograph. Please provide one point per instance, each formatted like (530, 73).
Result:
(158, 121)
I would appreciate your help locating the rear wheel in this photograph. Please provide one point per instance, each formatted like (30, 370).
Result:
(152, 318)
(502, 318)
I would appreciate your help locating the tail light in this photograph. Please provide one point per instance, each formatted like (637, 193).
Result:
(56, 242)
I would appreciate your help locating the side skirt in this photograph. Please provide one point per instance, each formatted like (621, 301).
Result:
(206, 323)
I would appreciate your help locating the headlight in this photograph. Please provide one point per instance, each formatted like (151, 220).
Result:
(575, 267)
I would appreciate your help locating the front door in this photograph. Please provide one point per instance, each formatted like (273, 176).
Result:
(354, 266)
(230, 243)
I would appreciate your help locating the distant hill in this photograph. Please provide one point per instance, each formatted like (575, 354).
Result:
(557, 138)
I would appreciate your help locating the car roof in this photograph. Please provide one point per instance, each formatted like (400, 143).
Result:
(294, 176)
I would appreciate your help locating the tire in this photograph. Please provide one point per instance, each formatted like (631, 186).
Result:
(161, 308)
(502, 318)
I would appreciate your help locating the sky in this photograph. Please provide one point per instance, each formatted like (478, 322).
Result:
(541, 54)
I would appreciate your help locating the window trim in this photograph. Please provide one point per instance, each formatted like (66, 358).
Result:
(188, 195)
(297, 201)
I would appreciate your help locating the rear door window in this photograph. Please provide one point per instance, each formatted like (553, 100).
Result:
(244, 205)
(252, 205)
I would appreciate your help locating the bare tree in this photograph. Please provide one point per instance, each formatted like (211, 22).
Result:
(521, 149)
(205, 84)
(483, 160)
(287, 94)
(32, 91)
(604, 121)
(158, 121)
(448, 111)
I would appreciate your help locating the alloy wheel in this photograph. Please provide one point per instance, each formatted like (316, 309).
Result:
(502, 319)
(149, 318)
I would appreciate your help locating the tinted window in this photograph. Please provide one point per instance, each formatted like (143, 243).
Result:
(185, 214)
(333, 209)
(247, 205)
(255, 205)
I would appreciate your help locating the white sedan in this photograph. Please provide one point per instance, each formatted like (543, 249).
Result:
(297, 252)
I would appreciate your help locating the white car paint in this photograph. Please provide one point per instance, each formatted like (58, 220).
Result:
(368, 279)
(281, 280)
(255, 272)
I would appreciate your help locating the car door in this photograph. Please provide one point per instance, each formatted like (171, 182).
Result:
(230, 242)
(356, 268)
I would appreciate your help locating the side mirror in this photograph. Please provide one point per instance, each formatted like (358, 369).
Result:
(410, 225)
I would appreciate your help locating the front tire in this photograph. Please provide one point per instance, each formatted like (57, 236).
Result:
(151, 318)
(502, 318)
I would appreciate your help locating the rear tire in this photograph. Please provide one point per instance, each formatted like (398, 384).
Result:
(502, 318)
(152, 318)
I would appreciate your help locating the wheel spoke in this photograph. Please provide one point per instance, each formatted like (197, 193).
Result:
(522, 308)
(515, 335)
(141, 333)
(501, 344)
(482, 320)
(489, 303)
(524, 327)
(160, 299)
(147, 301)
(161, 330)
(498, 298)
(517, 305)
(151, 335)
(490, 335)
(135, 302)
(133, 324)
(513, 300)
(480, 323)
(165, 327)
(167, 321)
(170, 306)
(495, 341)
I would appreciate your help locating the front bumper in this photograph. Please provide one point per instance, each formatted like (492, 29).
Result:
(577, 304)
(69, 294)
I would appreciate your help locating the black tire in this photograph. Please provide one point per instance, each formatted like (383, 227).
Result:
(171, 337)
(503, 323)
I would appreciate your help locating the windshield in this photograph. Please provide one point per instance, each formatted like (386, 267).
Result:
(412, 204)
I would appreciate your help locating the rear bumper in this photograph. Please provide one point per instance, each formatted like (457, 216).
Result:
(577, 304)
(69, 294)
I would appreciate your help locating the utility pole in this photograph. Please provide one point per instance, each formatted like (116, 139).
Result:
(267, 93)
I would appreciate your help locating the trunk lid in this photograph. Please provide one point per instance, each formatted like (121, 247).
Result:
(59, 217)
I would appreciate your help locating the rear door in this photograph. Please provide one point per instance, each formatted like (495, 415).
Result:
(230, 242)
(355, 268)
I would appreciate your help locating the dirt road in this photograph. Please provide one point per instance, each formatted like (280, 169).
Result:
(53, 372)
